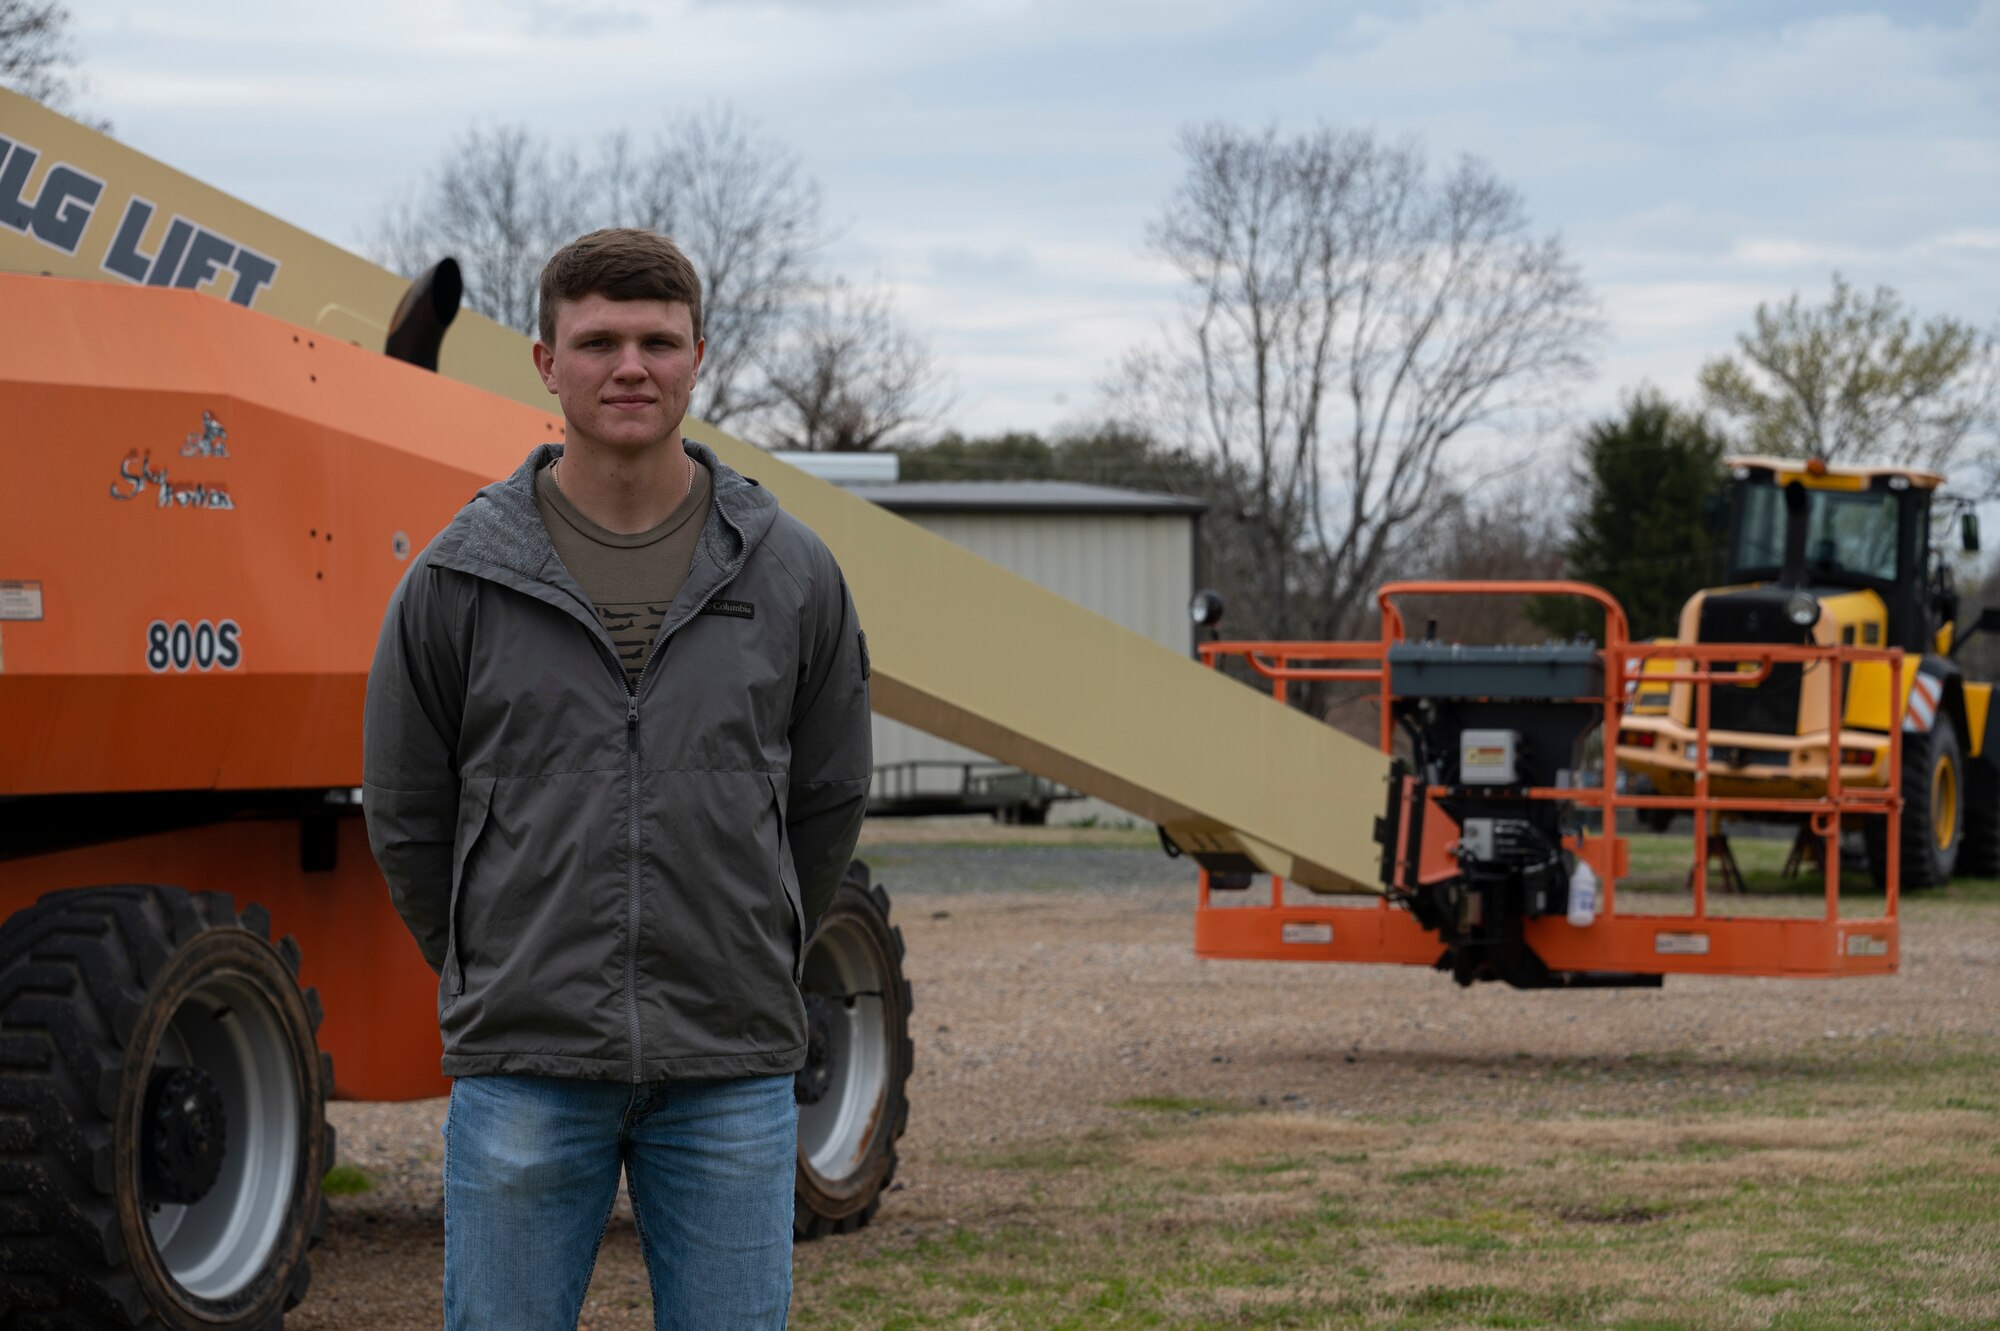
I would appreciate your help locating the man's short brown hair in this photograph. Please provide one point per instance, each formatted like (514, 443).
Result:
(619, 263)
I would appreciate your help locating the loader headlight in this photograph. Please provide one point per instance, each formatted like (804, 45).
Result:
(1205, 609)
(1802, 608)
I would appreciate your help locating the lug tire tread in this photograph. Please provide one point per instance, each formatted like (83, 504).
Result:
(1920, 867)
(1918, 859)
(75, 969)
(1979, 849)
(806, 1224)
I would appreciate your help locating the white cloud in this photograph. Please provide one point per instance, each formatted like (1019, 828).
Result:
(996, 161)
(1650, 312)
(1774, 253)
(1859, 73)
(1970, 238)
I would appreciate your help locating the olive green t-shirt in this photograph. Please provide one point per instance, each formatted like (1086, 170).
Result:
(630, 580)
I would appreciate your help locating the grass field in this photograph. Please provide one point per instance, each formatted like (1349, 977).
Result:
(1831, 1195)
(1842, 1184)
(1660, 873)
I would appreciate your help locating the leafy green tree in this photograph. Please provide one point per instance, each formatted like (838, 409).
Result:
(1105, 454)
(1646, 482)
(1018, 455)
(1856, 380)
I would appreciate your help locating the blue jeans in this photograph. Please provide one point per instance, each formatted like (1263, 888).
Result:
(531, 1170)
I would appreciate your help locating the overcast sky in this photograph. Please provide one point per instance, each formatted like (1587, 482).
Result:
(997, 161)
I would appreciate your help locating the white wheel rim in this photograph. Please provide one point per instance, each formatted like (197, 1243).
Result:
(216, 1246)
(847, 971)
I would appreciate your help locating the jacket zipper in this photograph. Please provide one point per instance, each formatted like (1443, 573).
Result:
(632, 878)
(632, 815)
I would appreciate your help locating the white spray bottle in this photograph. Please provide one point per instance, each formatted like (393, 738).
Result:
(1582, 895)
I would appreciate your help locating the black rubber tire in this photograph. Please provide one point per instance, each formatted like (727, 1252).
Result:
(90, 980)
(1979, 851)
(1926, 861)
(822, 1206)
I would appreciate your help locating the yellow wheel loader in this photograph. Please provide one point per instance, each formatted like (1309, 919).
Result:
(1827, 554)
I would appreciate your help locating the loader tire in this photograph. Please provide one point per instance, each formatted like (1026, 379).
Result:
(162, 1115)
(1934, 804)
(1979, 853)
(853, 1091)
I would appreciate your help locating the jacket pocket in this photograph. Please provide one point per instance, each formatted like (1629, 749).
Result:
(474, 803)
(788, 881)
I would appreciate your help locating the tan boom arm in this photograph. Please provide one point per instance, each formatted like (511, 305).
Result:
(961, 648)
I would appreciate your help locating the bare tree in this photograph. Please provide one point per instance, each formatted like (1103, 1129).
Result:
(500, 203)
(849, 376)
(38, 59)
(1349, 314)
(1508, 530)
(740, 205)
(744, 209)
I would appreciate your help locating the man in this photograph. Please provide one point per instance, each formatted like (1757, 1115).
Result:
(616, 757)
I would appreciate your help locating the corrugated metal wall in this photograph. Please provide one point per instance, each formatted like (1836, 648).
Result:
(1137, 570)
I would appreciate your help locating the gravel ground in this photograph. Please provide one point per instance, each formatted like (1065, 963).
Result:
(1055, 980)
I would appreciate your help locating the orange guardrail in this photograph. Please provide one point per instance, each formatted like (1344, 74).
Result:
(1636, 942)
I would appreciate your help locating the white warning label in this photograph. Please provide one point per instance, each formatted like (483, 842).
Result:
(1297, 931)
(1680, 945)
(20, 600)
(1867, 945)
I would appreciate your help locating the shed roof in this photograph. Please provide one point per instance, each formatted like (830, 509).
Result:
(1023, 497)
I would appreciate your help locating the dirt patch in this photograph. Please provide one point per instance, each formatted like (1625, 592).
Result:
(1614, 1215)
(1044, 1019)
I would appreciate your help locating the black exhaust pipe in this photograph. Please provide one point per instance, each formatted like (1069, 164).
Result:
(416, 330)
(1793, 572)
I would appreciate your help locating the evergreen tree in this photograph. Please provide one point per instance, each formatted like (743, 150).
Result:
(1648, 479)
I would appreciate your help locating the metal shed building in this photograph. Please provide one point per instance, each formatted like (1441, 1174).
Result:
(1127, 555)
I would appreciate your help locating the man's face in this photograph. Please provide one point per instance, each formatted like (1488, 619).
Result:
(623, 369)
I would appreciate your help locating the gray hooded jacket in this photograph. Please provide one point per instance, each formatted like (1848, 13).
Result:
(617, 884)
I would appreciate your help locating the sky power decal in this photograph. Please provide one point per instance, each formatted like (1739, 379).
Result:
(185, 255)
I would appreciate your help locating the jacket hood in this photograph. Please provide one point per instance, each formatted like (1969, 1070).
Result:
(502, 526)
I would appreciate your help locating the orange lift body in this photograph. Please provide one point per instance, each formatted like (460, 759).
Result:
(206, 620)
(1422, 841)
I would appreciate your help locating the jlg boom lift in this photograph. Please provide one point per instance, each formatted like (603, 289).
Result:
(219, 475)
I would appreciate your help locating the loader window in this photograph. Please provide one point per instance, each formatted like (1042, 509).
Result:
(1849, 534)
(1852, 533)
(1760, 536)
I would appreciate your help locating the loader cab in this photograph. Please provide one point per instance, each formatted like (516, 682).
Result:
(1807, 526)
